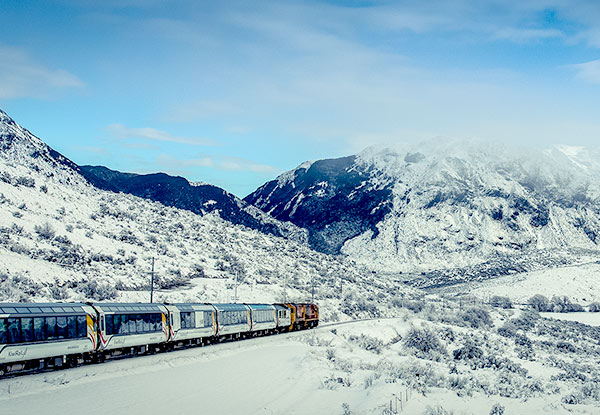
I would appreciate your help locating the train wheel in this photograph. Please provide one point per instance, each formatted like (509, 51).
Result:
(2, 371)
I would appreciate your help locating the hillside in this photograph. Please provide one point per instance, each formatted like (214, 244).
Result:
(63, 239)
(448, 209)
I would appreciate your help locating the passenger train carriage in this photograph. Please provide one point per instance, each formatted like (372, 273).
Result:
(39, 335)
(125, 326)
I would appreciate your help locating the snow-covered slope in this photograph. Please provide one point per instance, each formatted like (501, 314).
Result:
(445, 204)
(61, 238)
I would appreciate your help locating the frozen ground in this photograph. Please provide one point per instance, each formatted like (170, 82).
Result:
(591, 319)
(580, 283)
(353, 368)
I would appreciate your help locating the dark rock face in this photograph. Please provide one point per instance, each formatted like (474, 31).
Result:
(330, 199)
(178, 192)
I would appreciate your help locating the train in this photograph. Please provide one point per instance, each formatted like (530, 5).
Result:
(57, 335)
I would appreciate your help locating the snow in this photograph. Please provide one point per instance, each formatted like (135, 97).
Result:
(290, 373)
(591, 319)
(579, 282)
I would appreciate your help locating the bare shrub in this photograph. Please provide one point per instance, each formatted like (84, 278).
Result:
(45, 231)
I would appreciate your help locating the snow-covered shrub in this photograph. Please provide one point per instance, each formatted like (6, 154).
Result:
(197, 271)
(470, 351)
(58, 292)
(3, 199)
(371, 344)
(94, 290)
(566, 347)
(571, 399)
(539, 303)
(423, 340)
(477, 317)
(526, 321)
(594, 307)
(497, 409)
(24, 181)
(508, 329)
(562, 304)
(44, 231)
(499, 301)
(44, 188)
(438, 410)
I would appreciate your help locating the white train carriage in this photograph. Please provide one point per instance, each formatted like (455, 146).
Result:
(284, 317)
(233, 320)
(41, 335)
(192, 323)
(263, 318)
(131, 328)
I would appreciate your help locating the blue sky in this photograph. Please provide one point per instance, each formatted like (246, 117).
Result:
(233, 93)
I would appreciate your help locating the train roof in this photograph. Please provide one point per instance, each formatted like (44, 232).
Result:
(42, 308)
(129, 307)
(230, 307)
(261, 306)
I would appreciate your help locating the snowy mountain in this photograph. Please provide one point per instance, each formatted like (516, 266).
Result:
(200, 198)
(63, 239)
(446, 206)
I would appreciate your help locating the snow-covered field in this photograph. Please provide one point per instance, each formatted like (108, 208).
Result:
(591, 319)
(353, 368)
(580, 283)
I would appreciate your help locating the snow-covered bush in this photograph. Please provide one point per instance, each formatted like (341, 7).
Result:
(24, 181)
(94, 290)
(469, 351)
(539, 303)
(368, 343)
(502, 302)
(508, 329)
(594, 307)
(423, 340)
(497, 409)
(438, 410)
(562, 304)
(44, 231)
(477, 317)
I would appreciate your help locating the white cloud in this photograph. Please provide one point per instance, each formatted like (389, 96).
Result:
(22, 77)
(240, 164)
(123, 132)
(588, 71)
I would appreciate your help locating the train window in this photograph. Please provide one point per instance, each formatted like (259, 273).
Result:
(3, 331)
(110, 324)
(34, 310)
(68, 309)
(51, 327)
(139, 323)
(39, 329)
(71, 327)
(27, 329)
(207, 319)
(131, 323)
(147, 325)
(124, 327)
(13, 330)
(46, 310)
(61, 325)
(9, 309)
(57, 309)
(81, 326)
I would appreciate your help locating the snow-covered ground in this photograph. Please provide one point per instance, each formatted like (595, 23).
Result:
(591, 319)
(348, 368)
(581, 283)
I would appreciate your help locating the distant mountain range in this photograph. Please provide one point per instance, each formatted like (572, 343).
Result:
(198, 198)
(441, 210)
(444, 205)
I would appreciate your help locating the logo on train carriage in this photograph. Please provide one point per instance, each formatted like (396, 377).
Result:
(17, 352)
